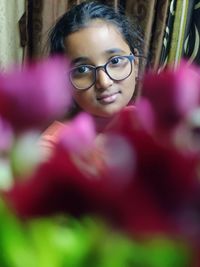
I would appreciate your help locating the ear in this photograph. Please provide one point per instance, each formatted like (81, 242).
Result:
(136, 62)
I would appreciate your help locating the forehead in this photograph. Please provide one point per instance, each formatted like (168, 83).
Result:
(94, 40)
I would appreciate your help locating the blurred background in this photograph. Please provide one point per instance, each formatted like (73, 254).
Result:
(170, 27)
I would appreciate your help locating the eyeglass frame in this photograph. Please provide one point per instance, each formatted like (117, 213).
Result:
(130, 57)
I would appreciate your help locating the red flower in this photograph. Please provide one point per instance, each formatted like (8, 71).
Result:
(6, 134)
(165, 179)
(127, 174)
(35, 95)
(141, 199)
(82, 176)
(172, 93)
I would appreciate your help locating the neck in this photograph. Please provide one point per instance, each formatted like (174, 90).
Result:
(101, 123)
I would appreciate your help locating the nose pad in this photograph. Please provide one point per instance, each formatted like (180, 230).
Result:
(103, 81)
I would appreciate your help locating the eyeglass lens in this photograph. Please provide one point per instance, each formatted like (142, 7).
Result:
(118, 68)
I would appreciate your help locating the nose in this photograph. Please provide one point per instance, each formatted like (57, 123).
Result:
(103, 81)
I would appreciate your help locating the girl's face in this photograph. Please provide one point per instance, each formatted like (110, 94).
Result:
(95, 45)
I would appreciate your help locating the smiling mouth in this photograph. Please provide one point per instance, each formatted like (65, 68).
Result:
(108, 98)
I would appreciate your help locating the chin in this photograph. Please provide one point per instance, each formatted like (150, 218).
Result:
(108, 112)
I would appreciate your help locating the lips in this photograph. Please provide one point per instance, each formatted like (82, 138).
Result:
(108, 98)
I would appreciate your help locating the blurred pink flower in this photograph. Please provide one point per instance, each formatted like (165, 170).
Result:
(83, 175)
(172, 93)
(165, 178)
(6, 135)
(127, 174)
(142, 199)
(107, 155)
(60, 185)
(78, 135)
(35, 95)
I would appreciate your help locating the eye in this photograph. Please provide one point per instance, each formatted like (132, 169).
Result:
(115, 60)
(118, 61)
(81, 70)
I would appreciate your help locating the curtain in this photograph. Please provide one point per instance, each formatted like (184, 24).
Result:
(170, 27)
(182, 33)
(11, 50)
(171, 30)
(168, 34)
(178, 34)
(192, 36)
(151, 15)
(42, 14)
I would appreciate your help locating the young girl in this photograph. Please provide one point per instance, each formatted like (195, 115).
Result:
(102, 46)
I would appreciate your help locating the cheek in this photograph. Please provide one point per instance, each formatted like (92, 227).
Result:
(83, 98)
(129, 86)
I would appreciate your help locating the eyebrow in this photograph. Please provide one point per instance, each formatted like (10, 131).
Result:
(108, 52)
(115, 50)
(80, 60)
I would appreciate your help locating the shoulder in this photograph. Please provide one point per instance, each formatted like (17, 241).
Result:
(49, 137)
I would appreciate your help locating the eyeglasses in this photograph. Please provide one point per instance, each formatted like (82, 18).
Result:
(118, 68)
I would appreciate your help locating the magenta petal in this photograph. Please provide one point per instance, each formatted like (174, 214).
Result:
(6, 135)
(188, 87)
(172, 93)
(78, 135)
(146, 114)
(35, 95)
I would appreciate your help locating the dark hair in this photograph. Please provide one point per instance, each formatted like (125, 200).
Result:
(80, 15)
